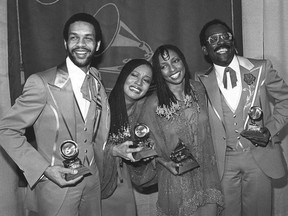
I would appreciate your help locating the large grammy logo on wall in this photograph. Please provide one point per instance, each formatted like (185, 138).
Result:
(118, 32)
(119, 40)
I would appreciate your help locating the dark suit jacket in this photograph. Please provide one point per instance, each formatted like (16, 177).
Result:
(268, 84)
(36, 107)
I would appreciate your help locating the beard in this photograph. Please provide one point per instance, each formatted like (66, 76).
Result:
(81, 62)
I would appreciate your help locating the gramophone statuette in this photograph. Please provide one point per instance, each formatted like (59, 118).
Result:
(69, 151)
(181, 155)
(142, 133)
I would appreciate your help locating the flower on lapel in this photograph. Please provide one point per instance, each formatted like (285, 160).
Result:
(249, 78)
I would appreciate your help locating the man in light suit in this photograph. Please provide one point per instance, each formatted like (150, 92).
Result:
(53, 102)
(245, 165)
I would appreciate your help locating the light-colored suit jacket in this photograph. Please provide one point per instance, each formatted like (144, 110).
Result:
(267, 87)
(36, 107)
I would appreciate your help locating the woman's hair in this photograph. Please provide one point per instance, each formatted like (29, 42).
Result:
(165, 95)
(119, 117)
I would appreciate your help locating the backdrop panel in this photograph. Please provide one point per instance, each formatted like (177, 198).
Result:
(131, 29)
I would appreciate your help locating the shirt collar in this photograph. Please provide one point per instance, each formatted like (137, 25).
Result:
(76, 75)
(234, 64)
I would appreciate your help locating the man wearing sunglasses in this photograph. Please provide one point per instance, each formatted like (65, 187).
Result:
(245, 129)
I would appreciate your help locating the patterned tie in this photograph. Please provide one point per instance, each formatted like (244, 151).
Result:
(233, 77)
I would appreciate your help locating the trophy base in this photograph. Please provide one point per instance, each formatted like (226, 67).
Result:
(257, 135)
(187, 165)
(145, 153)
(82, 171)
(253, 128)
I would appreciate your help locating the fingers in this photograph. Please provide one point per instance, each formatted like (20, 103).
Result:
(131, 150)
(69, 170)
(148, 158)
(57, 175)
(132, 159)
(73, 181)
(128, 143)
(173, 167)
(175, 171)
(124, 151)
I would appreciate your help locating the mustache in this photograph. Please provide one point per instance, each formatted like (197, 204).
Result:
(81, 48)
(222, 47)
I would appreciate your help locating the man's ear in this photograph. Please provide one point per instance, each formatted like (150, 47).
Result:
(65, 44)
(204, 50)
(98, 45)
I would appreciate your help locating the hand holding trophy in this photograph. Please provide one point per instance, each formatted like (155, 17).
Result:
(259, 136)
(183, 156)
(69, 151)
(142, 133)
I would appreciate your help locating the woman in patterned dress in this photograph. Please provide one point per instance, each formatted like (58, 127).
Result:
(176, 113)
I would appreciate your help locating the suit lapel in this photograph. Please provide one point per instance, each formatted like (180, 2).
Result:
(213, 92)
(100, 111)
(61, 88)
(252, 88)
(246, 92)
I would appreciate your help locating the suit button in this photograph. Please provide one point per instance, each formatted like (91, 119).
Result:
(85, 140)
(234, 116)
(224, 138)
(85, 129)
(235, 123)
(238, 137)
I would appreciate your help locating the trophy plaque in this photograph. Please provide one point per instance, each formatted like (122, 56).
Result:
(254, 130)
(183, 156)
(142, 133)
(69, 151)
(255, 114)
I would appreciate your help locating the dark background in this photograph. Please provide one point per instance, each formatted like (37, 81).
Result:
(131, 29)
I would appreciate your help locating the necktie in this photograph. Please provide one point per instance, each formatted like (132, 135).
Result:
(96, 90)
(233, 77)
(89, 90)
(86, 87)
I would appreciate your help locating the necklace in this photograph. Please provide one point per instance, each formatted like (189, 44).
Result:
(170, 111)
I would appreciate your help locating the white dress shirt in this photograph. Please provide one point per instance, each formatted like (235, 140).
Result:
(77, 77)
(231, 95)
